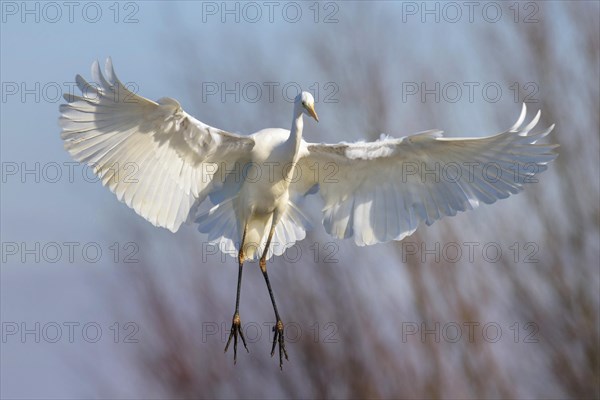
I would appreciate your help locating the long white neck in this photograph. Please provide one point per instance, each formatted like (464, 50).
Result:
(296, 131)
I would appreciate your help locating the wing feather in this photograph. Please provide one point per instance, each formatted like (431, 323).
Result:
(152, 155)
(383, 190)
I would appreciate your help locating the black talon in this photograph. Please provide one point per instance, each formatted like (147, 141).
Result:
(278, 338)
(236, 327)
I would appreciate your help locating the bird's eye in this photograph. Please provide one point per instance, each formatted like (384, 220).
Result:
(303, 103)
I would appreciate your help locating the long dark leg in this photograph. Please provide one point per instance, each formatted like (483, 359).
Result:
(236, 325)
(278, 328)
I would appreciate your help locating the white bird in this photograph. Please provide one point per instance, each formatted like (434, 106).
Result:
(162, 162)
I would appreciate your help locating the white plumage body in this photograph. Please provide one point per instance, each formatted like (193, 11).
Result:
(264, 194)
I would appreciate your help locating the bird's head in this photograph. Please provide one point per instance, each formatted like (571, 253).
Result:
(305, 102)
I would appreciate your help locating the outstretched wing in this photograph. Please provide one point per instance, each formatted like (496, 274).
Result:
(381, 191)
(154, 156)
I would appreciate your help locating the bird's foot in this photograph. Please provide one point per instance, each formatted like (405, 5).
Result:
(278, 338)
(236, 327)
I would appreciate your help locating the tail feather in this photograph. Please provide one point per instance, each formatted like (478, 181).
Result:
(224, 230)
(220, 223)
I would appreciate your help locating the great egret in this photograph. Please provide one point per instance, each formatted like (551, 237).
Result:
(373, 192)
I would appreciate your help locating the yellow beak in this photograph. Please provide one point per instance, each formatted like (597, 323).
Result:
(311, 110)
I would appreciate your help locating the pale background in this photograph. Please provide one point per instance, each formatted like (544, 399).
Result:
(352, 316)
